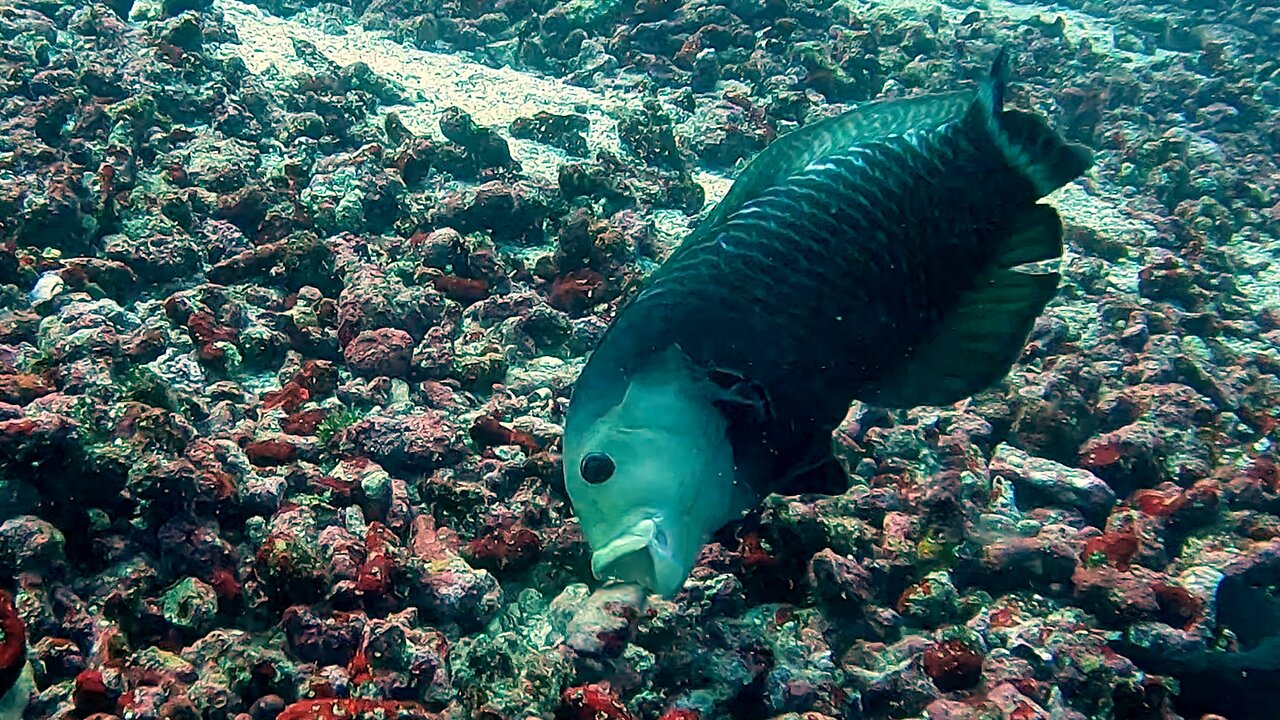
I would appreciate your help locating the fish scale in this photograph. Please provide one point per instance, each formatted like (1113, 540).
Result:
(786, 232)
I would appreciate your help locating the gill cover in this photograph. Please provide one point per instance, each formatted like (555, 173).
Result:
(672, 480)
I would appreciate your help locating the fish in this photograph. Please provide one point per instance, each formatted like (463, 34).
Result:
(896, 254)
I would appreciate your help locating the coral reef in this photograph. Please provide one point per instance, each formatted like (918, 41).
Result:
(284, 359)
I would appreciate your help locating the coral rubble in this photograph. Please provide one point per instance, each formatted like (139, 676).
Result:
(286, 343)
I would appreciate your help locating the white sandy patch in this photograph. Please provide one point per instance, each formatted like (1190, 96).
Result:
(1102, 214)
(436, 81)
(433, 81)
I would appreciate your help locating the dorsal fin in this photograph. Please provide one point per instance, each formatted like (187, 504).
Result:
(1024, 138)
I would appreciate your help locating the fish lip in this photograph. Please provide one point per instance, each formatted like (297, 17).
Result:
(638, 553)
(634, 539)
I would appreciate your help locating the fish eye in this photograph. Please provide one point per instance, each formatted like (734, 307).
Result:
(596, 468)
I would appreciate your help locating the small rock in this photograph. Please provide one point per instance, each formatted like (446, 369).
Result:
(49, 286)
(1040, 481)
(953, 665)
(603, 626)
(839, 582)
(385, 351)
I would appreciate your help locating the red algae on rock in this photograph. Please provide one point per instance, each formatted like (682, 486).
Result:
(91, 694)
(594, 701)
(953, 665)
(1116, 549)
(13, 644)
(576, 290)
(506, 548)
(488, 431)
(466, 290)
(271, 452)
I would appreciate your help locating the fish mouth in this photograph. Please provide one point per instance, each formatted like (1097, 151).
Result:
(641, 556)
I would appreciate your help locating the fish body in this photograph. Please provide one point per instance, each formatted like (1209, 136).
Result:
(874, 256)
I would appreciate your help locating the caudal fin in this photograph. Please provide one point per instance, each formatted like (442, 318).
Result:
(1028, 143)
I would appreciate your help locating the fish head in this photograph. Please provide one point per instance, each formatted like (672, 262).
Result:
(652, 478)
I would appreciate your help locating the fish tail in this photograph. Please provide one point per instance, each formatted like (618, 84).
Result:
(1028, 144)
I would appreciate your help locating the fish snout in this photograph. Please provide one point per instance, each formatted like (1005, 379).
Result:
(643, 555)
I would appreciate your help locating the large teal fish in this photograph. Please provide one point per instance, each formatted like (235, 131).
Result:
(878, 255)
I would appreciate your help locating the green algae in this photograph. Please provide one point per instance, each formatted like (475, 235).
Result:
(334, 423)
(584, 13)
(191, 604)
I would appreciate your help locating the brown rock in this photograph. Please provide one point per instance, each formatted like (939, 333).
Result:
(385, 351)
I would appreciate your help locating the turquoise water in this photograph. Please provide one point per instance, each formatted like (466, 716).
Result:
(297, 419)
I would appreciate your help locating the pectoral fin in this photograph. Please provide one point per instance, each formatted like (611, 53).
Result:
(982, 337)
(743, 401)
